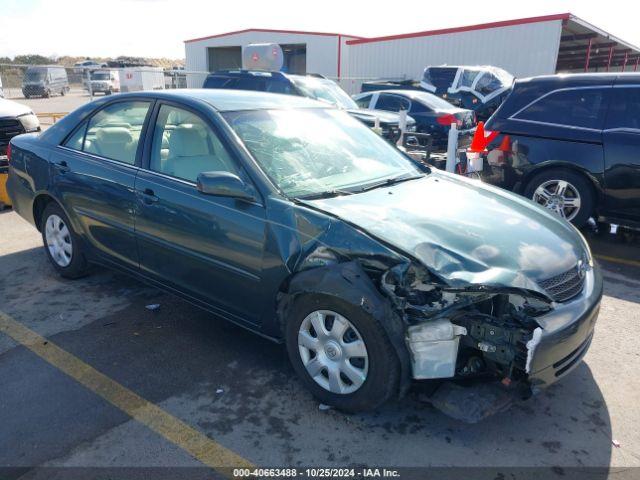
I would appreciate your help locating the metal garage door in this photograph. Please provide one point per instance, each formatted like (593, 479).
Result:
(224, 58)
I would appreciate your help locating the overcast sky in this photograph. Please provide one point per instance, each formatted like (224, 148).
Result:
(157, 28)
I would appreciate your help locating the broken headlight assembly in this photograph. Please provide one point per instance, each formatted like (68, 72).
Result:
(464, 332)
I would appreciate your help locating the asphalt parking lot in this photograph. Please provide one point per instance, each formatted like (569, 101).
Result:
(56, 103)
(92, 362)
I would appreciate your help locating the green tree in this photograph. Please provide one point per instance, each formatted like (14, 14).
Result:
(32, 60)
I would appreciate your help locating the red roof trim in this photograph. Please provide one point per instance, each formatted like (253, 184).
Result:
(301, 32)
(481, 26)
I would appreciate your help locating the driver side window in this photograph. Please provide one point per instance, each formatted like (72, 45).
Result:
(185, 146)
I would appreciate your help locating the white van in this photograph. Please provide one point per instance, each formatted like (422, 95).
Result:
(136, 79)
(104, 81)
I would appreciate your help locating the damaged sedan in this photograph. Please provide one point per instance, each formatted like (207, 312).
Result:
(294, 220)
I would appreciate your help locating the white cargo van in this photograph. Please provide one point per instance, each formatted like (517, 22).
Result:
(135, 79)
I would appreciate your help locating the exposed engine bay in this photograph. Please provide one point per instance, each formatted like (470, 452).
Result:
(464, 333)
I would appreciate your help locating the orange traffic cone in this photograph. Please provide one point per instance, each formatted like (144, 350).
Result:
(480, 142)
(505, 146)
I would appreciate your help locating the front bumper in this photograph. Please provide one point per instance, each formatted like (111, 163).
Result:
(566, 334)
(33, 90)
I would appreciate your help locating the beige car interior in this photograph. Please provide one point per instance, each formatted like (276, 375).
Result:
(188, 147)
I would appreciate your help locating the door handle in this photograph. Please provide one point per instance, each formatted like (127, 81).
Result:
(148, 196)
(63, 166)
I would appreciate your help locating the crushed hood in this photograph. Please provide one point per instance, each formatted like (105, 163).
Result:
(466, 232)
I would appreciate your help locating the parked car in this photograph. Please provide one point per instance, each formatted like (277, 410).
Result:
(104, 81)
(14, 120)
(570, 143)
(82, 67)
(310, 86)
(45, 81)
(373, 269)
(432, 114)
(478, 88)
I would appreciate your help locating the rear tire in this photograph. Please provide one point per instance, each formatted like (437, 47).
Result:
(375, 360)
(560, 189)
(61, 244)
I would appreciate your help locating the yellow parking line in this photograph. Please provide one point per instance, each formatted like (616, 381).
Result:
(622, 261)
(176, 431)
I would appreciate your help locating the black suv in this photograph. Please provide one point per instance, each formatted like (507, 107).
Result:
(571, 143)
(310, 86)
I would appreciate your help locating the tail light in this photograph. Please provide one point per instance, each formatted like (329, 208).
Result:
(9, 152)
(447, 119)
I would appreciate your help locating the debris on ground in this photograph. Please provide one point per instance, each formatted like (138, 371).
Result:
(472, 403)
(322, 407)
(153, 306)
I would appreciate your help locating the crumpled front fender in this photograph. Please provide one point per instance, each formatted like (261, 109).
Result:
(349, 282)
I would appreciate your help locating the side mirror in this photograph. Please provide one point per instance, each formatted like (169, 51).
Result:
(224, 184)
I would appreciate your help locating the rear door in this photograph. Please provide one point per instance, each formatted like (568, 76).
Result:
(392, 103)
(94, 173)
(621, 138)
(207, 247)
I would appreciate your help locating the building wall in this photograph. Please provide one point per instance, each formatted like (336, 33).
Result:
(322, 51)
(524, 50)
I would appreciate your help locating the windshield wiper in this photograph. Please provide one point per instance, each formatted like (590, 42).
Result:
(325, 194)
(388, 182)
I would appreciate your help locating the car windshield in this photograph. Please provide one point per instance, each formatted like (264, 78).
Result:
(311, 152)
(99, 75)
(326, 91)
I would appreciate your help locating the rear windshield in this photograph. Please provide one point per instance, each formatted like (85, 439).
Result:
(432, 101)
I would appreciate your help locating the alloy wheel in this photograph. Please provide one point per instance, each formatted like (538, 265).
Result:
(58, 240)
(333, 352)
(560, 197)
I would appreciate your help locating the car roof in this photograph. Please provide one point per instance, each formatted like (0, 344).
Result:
(219, 99)
(581, 79)
(407, 93)
(227, 100)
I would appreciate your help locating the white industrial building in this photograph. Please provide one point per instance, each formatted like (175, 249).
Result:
(524, 47)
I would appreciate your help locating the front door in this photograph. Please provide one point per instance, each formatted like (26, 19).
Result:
(209, 248)
(621, 139)
(95, 171)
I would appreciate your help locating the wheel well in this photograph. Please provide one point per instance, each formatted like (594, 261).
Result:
(531, 175)
(39, 204)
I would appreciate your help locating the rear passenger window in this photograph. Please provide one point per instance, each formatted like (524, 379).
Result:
(392, 103)
(113, 132)
(576, 108)
(624, 109)
(185, 146)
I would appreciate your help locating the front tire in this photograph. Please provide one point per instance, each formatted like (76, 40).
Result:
(61, 244)
(341, 353)
(564, 192)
